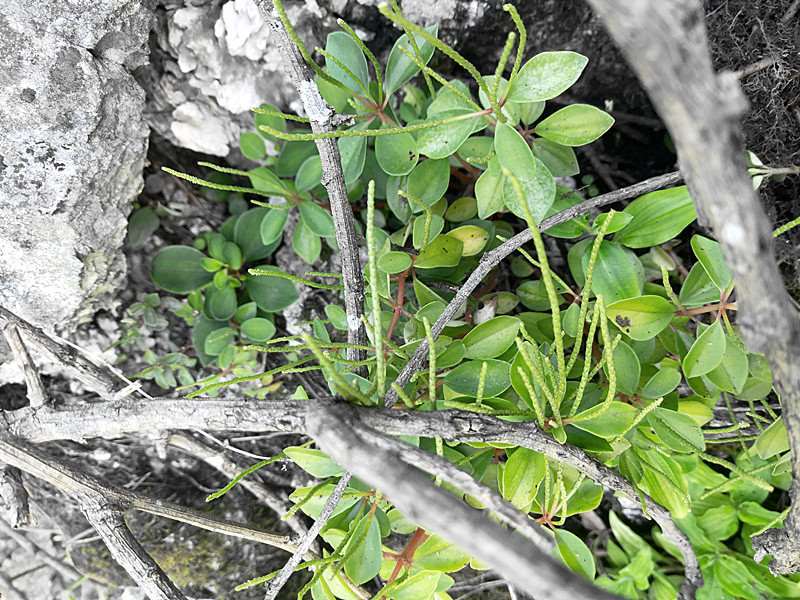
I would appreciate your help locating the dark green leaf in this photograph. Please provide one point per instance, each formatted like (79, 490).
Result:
(428, 182)
(344, 48)
(657, 218)
(706, 353)
(399, 67)
(679, 432)
(491, 338)
(575, 554)
(272, 294)
(179, 269)
(258, 329)
(709, 253)
(641, 318)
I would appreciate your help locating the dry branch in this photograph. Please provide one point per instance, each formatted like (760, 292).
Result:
(113, 419)
(14, 504)
(494, 257)
(322, 119)
(110, 525)
(511, 555)
(36, 394)
(665, 42)
(97, 379)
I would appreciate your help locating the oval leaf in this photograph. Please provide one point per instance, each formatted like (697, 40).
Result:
(491, 338)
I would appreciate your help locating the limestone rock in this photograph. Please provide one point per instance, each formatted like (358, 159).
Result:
(72, 149)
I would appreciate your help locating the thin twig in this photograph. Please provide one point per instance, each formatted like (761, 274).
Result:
(94, 377)
(14, 497)
(36, 394)
(493, 258)
(283, 576)
(321, 118)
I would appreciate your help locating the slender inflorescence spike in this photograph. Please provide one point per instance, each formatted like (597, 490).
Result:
(523, 37)
(330, 57)
(412, 40)
(377, 327)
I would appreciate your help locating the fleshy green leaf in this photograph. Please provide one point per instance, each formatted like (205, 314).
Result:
(316, 218)
(429, 181)
(546, 75)
(258, 329)
(521, 476)
(252, 145)
(473, 237)
(179, 269)
(444, 251)
(394, 262)
(272, 225)
(536, 181)
(396, 154)
(730, 375)
(706, 353)
(642, 317)
(697, 288)
(443, 140)
(399, 67)
(315, 462)
(618, 273)
(491, 338)
(709, 253)
(657, 218)
(679, 432)
(309, 175)
(609, 423)
(559, 160)
(575, 125)
(220, 304)
(464, 378)
(489, 190)
(305, 243)
(575, 554)
(344, 48)
(272, 294)
(363, 552)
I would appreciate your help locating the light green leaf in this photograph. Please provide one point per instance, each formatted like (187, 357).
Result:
(491, 338)
(399, 67)
(678, 431)
(420, 585)
(489, 190)
(315, 462)
(709, 253)
(627, 367)
(363, 553)
(179, 269)
(617, 221)
(217, 340)
(773, 440)
(731, 374)
(607, 422)
(443, 140)
(538, 185)
(473, 237)
(396, 154)
(316, 218)
(520, 477)
(546, 75)
(429, 181)
(344, 48)
(252, 145)
(559, 160)
(353, 151)
(444, 251)
(435, 227)
(719, 522)
(575, 554)
(642, 317)
(464, 378)
(706, 353)
(461, 209)
(662, 383)
(575, 125)
(697, 288)
(271, 294)
(618, 273)
(272, 225)
(305, 243)
(657, 217)
(220, 304)
(309, 175)
(258, 329)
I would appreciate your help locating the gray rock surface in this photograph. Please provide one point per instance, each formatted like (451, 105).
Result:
(72, 149)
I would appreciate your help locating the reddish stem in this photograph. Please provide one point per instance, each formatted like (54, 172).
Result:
(398, 305)
(406, 557)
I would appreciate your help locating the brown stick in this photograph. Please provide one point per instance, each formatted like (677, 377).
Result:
(110, 525)
(322, 120)
(665, 42)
